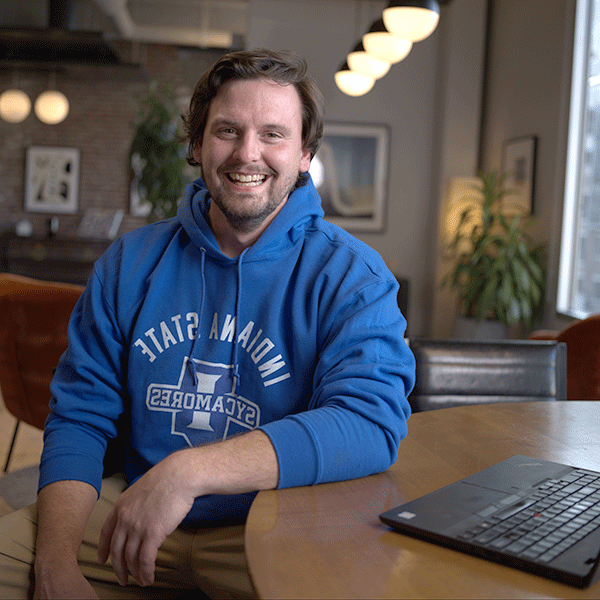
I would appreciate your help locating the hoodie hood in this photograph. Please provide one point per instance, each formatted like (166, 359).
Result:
(302, 206)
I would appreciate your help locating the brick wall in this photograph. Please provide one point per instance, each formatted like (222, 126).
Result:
(103, 106)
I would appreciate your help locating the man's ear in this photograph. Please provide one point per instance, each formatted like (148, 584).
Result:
(197, 153)
(304, 161)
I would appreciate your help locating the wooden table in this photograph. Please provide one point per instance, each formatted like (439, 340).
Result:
(326, 541)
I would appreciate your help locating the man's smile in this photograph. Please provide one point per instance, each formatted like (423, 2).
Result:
(246, 180)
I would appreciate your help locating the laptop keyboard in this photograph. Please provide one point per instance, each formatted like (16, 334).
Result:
(545, 524)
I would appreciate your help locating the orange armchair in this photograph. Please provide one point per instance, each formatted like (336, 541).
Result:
(583, 356)
(33, 334)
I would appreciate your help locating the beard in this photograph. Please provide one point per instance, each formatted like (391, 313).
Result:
(246, 211)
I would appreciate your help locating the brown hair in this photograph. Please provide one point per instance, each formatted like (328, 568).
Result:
(285, 68)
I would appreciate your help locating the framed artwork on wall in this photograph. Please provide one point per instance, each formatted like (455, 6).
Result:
(518, 166)
(52, 180)
(350, 173)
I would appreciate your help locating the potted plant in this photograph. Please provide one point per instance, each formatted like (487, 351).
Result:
(156, 157)
(497, 272)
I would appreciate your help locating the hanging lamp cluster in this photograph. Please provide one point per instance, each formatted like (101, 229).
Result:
(388, 41)
(50, 107)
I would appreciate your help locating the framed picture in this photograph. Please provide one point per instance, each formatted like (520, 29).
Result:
(350, 173)
(518, 166)
(52, 180)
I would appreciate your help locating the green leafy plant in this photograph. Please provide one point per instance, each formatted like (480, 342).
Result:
(156, 156)
(498, 273)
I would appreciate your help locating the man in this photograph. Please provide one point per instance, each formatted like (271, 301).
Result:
(245, 345)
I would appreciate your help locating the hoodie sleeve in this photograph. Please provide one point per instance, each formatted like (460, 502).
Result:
(88, 381)
(358, 412)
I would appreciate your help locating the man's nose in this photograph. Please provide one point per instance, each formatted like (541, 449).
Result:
(248, 148)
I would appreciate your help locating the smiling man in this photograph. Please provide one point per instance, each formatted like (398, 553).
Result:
(250, 156)
(246, 344)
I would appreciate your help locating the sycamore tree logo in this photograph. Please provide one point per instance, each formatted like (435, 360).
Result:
(209, 410)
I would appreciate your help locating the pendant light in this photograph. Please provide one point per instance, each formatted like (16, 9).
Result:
(15, 105)
(381, 44)
(412, 20)
(353, 83)
(360, 61)
(51, 107)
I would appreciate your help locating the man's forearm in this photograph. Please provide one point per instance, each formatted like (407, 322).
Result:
(64, 508)
(240, 464)
(243, 463)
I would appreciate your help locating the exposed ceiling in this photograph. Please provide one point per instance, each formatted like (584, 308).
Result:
(78, 30)
(43, 31)
(51, 34)
(203, 23)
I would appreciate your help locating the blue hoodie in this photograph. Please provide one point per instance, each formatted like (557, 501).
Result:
(300, 336)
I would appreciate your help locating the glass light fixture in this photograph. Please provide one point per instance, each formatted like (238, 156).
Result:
(353, 83)
(411, 19)
(360, 61)
(381, 44)
(15, 105)
(51, 107)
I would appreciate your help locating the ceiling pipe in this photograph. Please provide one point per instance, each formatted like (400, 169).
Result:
(117, 10)
(59, 13)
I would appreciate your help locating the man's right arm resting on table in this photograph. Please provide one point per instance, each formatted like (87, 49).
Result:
(64, 508)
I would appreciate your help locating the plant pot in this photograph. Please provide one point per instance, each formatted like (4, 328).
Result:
(472, 329)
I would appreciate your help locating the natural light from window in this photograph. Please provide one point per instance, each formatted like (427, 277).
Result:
(579, 276)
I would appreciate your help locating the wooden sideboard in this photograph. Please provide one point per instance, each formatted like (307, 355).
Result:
(69, 260)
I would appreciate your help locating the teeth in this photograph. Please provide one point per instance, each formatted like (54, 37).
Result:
(247, 179)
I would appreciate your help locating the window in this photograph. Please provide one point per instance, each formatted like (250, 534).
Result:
(579, 275)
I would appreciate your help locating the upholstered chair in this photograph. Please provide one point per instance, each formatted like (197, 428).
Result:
(583, 356)
(34, 316)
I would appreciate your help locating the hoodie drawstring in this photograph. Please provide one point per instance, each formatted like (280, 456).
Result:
(235, 359)
(236, 367)
(203, 285)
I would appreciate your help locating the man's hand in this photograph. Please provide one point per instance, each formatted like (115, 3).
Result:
(145, 514)
(152, 508)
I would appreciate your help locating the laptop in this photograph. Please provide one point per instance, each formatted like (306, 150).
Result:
(538, 516)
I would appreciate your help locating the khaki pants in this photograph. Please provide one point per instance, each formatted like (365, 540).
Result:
(209, 559)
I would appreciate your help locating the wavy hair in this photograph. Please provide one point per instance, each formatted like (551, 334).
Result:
(284, 68)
